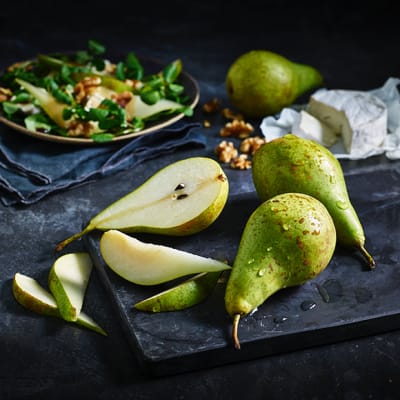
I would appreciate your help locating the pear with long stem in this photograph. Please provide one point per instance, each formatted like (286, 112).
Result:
(288, 240)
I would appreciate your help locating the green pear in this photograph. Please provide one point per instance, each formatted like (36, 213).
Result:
(261, 82)
(151, 264)
(180, 199)
(184, 295)
(31, 295)
(288, 240)
(68, 280)
(294, 164)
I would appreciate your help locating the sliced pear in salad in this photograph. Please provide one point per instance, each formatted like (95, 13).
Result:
(53, 108)
(137, 108)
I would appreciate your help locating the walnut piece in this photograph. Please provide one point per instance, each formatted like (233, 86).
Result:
(79, 128)
(211, 106)
(226, 151)
(227, 113)
(85, 87)
(241, 162)
(122, 99)
(237, 128)
(134, 83)
(251, 144)
(5, 94)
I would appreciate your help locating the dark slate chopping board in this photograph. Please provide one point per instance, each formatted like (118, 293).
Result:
(346, 300)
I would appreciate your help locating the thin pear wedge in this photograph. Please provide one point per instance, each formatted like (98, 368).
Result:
(68, 280)
(151, 264)
(187, 294)
(139, 109)
(294, 164)
(288, 240)
(180, 199)
(31, 295)
(53, 108)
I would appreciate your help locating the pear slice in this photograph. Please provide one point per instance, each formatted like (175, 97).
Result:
(180, 199)
(139, 109)
(151, 264)
(184, 295)
(68, 280)
(31, 295)
(53, 108)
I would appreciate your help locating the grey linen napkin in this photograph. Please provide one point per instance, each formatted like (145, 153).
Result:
(31, 169)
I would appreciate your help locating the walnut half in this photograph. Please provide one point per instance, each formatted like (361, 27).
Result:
(226, 151)
(85, 87)
(252, 144)
(237, 128)
(241, 162)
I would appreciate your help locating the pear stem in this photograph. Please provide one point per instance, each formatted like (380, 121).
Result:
(235, 326)
(369, 258)
(70, 239)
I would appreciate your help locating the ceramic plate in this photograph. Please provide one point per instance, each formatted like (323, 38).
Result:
(150, 66)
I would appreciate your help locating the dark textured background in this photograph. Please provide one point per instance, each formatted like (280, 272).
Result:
(355, 46)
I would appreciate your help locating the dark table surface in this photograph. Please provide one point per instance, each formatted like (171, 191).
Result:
(354, 46)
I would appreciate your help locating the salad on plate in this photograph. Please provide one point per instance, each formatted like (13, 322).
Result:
(83, 95)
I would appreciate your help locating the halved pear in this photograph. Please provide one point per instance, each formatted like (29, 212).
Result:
(31, 295)
(68, 280)
(180, 199)
(151, 264)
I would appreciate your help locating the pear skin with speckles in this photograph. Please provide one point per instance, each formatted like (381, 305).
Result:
(295, 164)
(287, 241)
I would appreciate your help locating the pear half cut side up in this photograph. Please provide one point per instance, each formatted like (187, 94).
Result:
(181, 199)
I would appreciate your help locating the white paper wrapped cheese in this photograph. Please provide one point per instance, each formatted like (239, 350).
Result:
(360, 118)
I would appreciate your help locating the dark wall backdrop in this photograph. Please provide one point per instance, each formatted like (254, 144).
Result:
(345, 39)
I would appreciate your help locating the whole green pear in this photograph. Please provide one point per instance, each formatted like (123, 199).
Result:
(288, 240)
(261, 82)
(294, 164)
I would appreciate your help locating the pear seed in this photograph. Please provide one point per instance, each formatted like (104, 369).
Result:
(182, 196)
(180, 186)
